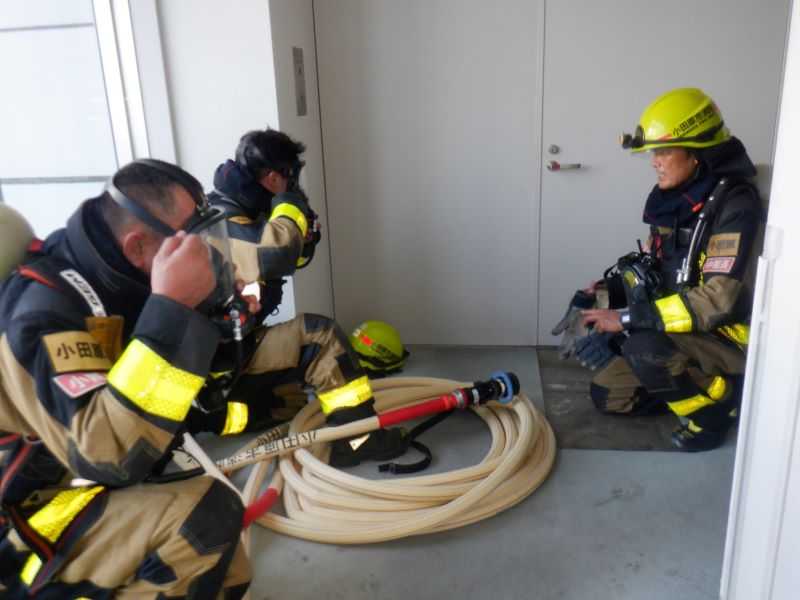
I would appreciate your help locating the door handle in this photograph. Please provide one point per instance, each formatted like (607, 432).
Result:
(554, 165)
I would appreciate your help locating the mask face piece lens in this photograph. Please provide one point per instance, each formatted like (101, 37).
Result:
(214, 232)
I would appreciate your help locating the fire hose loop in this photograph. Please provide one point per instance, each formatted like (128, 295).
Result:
(324, 504)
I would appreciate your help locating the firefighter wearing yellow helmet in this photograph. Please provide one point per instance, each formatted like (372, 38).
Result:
(676, 335)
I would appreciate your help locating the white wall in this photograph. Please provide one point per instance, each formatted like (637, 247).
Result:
(763, 542)
(293, 26)
(221, 82)
(220, 77)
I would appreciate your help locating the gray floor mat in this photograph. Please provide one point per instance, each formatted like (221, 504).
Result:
(576, 422)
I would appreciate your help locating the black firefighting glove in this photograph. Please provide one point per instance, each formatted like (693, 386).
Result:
(594, 351)
(571, 325)
(382, 444)
(271, 297)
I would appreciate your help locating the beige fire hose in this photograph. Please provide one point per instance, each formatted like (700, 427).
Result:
(327, 505)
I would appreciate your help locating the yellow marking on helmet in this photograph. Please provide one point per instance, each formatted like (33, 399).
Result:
(290, 211)
(236, 418)
(354, 393)
(153, 384)
(674, 314)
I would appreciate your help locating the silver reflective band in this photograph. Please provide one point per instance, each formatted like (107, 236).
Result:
(625, 318)
(82, 286)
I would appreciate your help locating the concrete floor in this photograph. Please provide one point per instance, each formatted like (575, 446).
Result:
(605, 525)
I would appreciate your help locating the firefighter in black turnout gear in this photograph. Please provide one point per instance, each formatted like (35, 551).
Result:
(272, 227)
(102, 351)
(679, 332)
(109, 336)
(273, 233)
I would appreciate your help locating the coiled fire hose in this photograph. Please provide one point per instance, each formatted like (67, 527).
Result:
(327, 505)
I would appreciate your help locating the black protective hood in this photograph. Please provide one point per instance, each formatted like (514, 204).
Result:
(727, 159)
(238, 185)
(90, 245)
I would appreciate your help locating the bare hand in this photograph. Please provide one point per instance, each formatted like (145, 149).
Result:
(603, 320)
(182, 270)
(253, 305)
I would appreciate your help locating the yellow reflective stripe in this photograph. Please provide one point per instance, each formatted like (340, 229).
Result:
(674, 314)
(31, 569)
(739, 333)
(292, 212)
(52, 519)
(152, 384)
(352, 394)
(690, 405)
(302, 261)
(717, 387)
(236, 419)
(694, 428)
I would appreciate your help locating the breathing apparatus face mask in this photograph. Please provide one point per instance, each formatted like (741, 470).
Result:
(206, 222)
(293, 177)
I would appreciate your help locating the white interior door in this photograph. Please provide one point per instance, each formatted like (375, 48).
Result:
(430, 120)
(604, 62)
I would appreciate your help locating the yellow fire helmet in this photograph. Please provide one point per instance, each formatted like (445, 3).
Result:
(685, 117)
(379, 348)
(15, 236)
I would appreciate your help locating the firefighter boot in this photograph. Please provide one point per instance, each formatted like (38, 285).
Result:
(382, 444)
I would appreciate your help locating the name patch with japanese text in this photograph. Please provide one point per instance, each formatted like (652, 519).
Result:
(75, 351)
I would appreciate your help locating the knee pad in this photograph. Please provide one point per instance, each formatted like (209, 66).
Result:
(599, 395)
(216, 521)
(313, 322)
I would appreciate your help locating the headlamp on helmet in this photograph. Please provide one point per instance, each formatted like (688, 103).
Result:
(685, 117)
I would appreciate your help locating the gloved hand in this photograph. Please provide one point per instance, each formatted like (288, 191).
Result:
(571, 325)
(593, 350)
(271, 296)
(383, 444)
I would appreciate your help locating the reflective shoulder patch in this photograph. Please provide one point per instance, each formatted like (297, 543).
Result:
(719, 264)
(724, 244)
(76, 280)
(75, 351)
(78, 384)
(241, 220)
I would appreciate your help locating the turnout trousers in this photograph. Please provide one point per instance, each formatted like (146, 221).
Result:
(309, 352)
(696, 375)
(151, 541)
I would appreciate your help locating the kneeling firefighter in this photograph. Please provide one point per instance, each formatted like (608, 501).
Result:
(110, 332)
(107, 332)
(272, 227)
(676, 332)
(273, 233)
